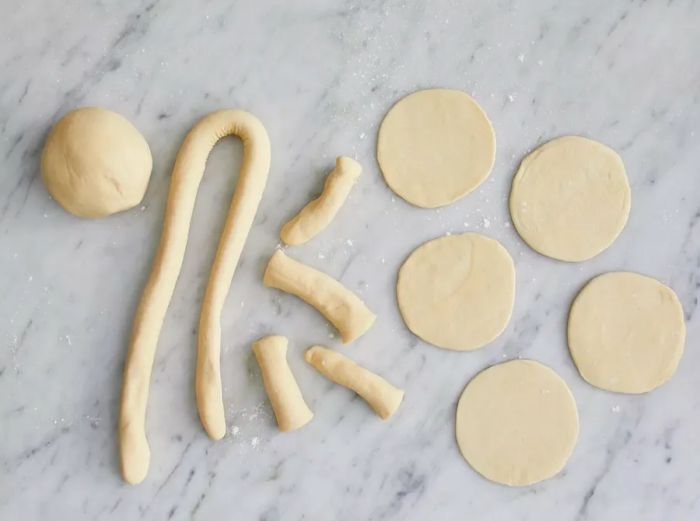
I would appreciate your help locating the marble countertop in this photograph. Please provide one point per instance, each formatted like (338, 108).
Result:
(321, 77)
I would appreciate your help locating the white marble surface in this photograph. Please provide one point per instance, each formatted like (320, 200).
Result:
(321, 77)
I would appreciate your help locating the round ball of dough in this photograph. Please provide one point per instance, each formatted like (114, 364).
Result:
(457, 291)
(435, 146)
(570, 198)
(96, 163)
(626, 332)
(517, 423)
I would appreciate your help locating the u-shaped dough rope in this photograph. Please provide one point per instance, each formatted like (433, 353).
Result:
(383, 397)
(148, 321)
(338, 304)
(317, 214)
(282, 389)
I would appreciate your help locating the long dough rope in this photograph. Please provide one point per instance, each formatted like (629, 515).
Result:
(187, 175)
(345, 310)
(383, 397)
(317, 214)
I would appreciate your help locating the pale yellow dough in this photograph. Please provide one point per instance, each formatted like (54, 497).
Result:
(517, 423)
(95, 163)
(626, 332)
(457, 291)
(148, 321)
(383, 397)
(435, 146)
(317, 214)
(282, 389)
(570, 198)
(345, 310)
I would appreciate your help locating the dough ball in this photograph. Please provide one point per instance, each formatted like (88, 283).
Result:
(457, 291)
(570, 198)
(517, 423)
(626, 332)
(96, 163)
(435, 146)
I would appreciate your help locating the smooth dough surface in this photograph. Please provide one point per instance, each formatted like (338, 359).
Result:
(281, 387)
(135, 454)
(317, 214)
(338, 304)
(96, 163)
(457, 291)
(383, 397)
(570, 198)
(626, 332)
(435, 146)
(517, 423)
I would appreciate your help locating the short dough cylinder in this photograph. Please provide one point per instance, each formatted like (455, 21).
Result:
(457, 291)
(570, 198)
(517, 423)
(339, 305)
(282, 389)
(435, 146)
(96, 163)
(383, 397)
(626, 332)
(317, 214)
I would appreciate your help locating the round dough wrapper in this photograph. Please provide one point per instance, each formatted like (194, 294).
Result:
(517, 423)
(626, 332)
(435, 146)
(96, 163)
(570, 198)
(457, 291)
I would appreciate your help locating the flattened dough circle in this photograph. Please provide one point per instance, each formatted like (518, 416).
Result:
(517, 423)
(435, 146)
(626, 332)
(457, 291)
(570, 198)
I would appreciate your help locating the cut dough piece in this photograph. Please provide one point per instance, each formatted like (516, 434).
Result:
(282, 389)
(96, 163)
(435, 146)
(517, 423)
(626, 332)
(317, 214)
(570, 198)
(338, 304)
(148, 320)
(457, 291)
(383, 397)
